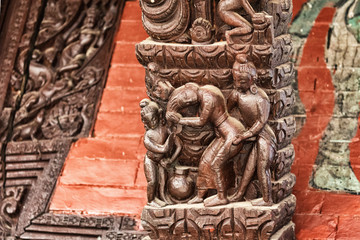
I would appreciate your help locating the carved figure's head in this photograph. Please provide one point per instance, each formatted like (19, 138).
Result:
(153, 68)
(150, 114)
(244, 73)
(183, 97)
(91, 17)
(160, 87)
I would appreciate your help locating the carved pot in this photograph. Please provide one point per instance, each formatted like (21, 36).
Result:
(181, 185)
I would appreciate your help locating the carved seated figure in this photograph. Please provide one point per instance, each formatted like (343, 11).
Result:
(254, 107)
(159, 143)
(75, 53)
(212, 109)
(229, 12)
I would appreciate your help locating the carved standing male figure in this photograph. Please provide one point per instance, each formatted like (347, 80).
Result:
(254, 107)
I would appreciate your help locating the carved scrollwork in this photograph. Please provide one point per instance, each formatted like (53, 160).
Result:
(281, 10)
(284, 129)
(185, 56)
(202, 32)
(282, 101)
(64, 80)
(166, 20)
(283, 161)
(9, 208)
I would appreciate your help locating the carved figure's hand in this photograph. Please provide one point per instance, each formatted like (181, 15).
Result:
(173, 117)
(238, 139)
(165, 163)
(259, 18)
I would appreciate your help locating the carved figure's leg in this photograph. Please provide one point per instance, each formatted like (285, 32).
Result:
(248, 174)
(151, 176)
(240, 161)
(204, 167)
(227, 12)
(225, 152)
(265, 156)
(199, 198)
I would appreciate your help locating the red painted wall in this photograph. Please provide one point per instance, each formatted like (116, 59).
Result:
(104, 175)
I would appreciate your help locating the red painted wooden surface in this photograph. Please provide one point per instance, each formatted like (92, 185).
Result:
(320, 214)
(103, 174)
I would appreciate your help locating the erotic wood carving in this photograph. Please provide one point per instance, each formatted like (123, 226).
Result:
(218, 122)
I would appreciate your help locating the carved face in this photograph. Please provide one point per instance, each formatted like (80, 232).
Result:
(90, 20)
(187, 98)
(162, 90)
(150, 119)
(242, 80)
(89, 76)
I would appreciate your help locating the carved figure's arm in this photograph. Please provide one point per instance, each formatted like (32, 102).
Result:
(153, 146)
(248, 8)
(263, 109)
(207, 107)
(232, 101)
(178, 149)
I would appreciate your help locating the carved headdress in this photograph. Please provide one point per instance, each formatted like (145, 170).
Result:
(243, 65)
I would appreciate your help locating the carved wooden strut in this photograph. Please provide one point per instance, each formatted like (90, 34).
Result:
(218, 119)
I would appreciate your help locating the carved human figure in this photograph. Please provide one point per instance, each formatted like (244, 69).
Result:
(212, 109)
(28, 131)
(254, 108)
(76, 52)
(39, 98)
(160, 88)
(160, 144)
(228, 11)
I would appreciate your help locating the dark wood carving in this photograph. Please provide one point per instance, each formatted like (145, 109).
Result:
(59, 226)
(218, 120)
(51, 81)
(64, 79)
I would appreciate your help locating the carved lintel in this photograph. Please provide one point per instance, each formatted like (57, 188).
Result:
(239, 220)
(60, 226)
(213, 56)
